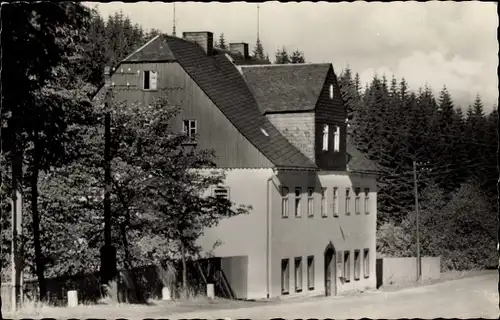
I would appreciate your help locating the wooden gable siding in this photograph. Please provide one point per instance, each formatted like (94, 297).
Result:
(215, 131)
(331, 112)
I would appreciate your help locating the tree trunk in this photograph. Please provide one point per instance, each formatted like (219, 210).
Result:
(128, 262)
(184, 271)
(36, 220)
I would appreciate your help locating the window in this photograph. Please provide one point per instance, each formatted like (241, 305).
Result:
(221, 192)
(310, 272)
(335, 202)
(323, 202)
(284, 202)
(336, 139)
(325, 137)
(298, 274)
(367, 201)
(285, 276)
(189, 127)
(357, 264)
(340, 266)
(150, 80)
(298, 197)
(356, 200)
(310, 202)
(331, 91)
(366, 262)
(347, 266)
(347, 202)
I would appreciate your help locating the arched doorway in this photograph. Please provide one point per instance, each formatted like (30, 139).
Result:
(330, 270)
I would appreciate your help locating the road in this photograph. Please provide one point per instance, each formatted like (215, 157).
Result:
(475, 297)
(471, 297)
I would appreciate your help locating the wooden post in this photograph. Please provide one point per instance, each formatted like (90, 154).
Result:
(108, 252)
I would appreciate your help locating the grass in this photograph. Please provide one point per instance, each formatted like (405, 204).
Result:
(108, 307)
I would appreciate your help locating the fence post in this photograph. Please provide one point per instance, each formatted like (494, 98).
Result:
(210, 291)
(72, 298)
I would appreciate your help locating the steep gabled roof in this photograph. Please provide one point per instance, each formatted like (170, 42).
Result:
(223, 84)
(221, 81)
(155, 49)
(288, 87)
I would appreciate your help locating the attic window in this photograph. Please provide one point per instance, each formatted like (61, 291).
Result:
(264, 132)
(150, 79)
(325, 137)
(331, 91)
(336, 139)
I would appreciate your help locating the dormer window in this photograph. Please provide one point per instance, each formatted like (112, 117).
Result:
(336, 139)
(150, 80)
(190, 128)
(331, 91)
(325, 137)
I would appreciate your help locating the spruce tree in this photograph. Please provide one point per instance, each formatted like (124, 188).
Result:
(258, 51)
(222, 42)
(297, 57)
(282, 56)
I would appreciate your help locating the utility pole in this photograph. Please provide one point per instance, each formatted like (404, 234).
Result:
(108, 252)
(17, 214)
(417, 220)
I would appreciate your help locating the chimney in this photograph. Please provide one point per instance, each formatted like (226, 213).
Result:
(204, 39)
(239, 48)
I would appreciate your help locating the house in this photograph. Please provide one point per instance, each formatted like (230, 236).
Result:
(280, 132)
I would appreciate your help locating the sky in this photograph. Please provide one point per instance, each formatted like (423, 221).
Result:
(435, 43)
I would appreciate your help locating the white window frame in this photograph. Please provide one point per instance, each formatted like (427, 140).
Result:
(357, 200)
(347, 265)
(347, 201)
(310, 272)
(152, 77)
(310, 202)
(325, 137)
(324, 204)
(285, 204)
(331, 91)
(298, 202)
(367, 201)
(285, 276)
(340, 263)
(298, 274)
(335, 202)
(357, 264)
(336, 139)
(217, 189)
(190, 127)
(366, 262)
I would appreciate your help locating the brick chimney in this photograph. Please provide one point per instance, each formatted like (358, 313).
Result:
(239, 48)
(204, 39)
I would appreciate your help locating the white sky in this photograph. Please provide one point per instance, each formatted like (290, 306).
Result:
(438, 43)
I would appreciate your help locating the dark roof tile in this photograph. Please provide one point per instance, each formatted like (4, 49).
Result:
(221, 81)
(289, 87)
(357, 161)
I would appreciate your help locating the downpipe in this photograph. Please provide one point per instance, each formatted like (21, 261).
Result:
(268, 235)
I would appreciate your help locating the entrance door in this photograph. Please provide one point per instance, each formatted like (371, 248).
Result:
(330, 274)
